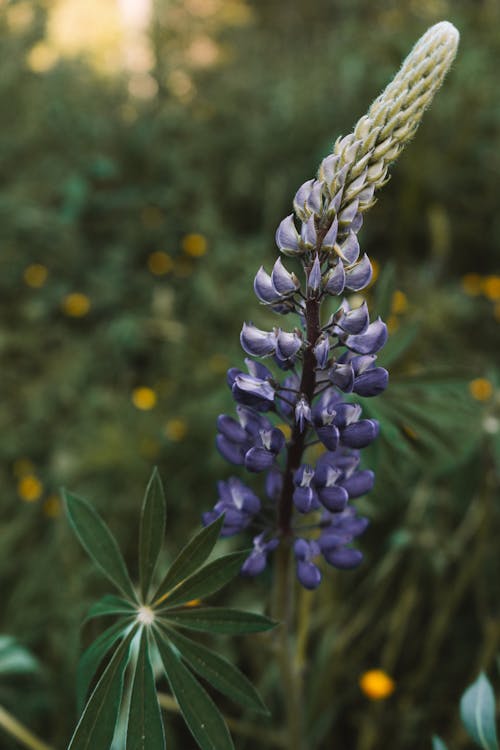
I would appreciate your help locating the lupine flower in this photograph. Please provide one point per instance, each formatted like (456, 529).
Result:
(329, 363)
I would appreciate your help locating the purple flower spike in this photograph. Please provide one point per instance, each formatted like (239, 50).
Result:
(308, 573)
(308, 233)
(282, 280)
(360, 275)
(264, 288)
(314, 278)
(335, 280)
(287, 237)
(371, 341)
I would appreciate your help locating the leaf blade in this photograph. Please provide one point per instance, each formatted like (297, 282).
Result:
(477, 709)
(98, 541)
(438, 744)
(200, 713)
(145, 724)
(151, 530)
(93, 656)
(219, 672)
(96, 727)
(208, 579)
(219, 620)
(110, 605)
(190, 558)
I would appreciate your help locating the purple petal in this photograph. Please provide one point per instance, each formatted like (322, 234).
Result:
(314, 199)
(357, 222)
(256, 342)
(258, 370)
(335, 280)
(371, 341)
(360, 483)
(287, 345)
(347, 215)
(334, 498)
(322, 351)
(230, 429)
(282, 280)
(308, 232)
(287, 237)
(360, 275)
(344, 558)
(372, 382)
(342, 376)
(308, 574)
(331, 236)
(355, 321)
(300, 199)
(263, 287)
(274, 483)
(314, 278)
(349, 249)
(254, 564)
(233, 453)
(258, 459)
(360, 434)
(329, 436)
(304, 499)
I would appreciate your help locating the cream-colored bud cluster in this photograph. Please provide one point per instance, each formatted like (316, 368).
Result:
(361, 159)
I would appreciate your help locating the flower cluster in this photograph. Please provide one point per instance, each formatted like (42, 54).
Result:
(306, 393)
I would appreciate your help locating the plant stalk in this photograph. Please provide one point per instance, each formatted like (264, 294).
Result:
(17, 730)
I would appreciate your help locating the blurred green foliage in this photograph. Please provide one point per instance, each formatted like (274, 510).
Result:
(95, 180)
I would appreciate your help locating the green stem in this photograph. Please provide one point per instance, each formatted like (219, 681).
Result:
(17, 730)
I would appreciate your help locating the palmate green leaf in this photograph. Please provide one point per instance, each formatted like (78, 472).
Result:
(190, 557)
(98, 542)
(477, 709)
(145, 725)
(218, 672)
(97, 724)
(93, 656)
(208, 579)
(438, 744)
(200, 713)
(110, 605)
(219, 620)
(151, 531)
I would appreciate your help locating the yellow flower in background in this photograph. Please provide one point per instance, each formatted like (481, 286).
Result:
(194, 245)
(392, 324)
(35, 275)
(481, 389)
(176, 429)
(160, 263)
(491, 288)
(144, 398)
(399, 302)
(52, 506)
(376, 684)
(472, 284)
(76, 305)
(285, 429)
(29, 488)
(218, 363)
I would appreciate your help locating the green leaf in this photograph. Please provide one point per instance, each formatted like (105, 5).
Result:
(98, 542)
(477, 709)
(92, 657)
(145, 725)
(209, 579)
(191, 557)
(438, 744)
(97, 724)
(385, 288)
(219, 672)
(152, 531)
(398, 344)
(110, 605)
(219, 620)
(15, 659)
(200, 713)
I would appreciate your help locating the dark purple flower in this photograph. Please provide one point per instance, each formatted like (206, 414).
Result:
(257, 559)
(308, 573)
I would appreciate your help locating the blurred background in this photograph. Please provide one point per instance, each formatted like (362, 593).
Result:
(148, 150)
